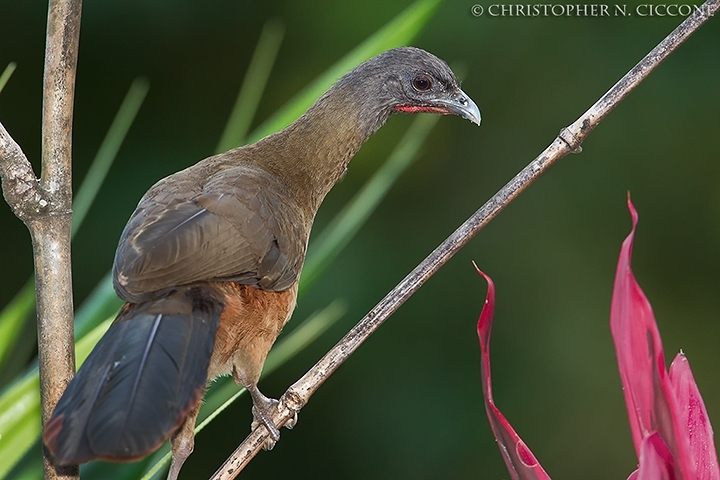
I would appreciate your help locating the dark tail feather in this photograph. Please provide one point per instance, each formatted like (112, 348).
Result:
(140, 381)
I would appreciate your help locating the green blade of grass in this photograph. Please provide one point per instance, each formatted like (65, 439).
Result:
(221, 398)
(7, 73)
(28, 468)
(19, 421)
(13, 317)
(20, 407)
(253, 86)
(17, 312)
(99, 305)
(343, 227)
(302, 336)
(108, 150)
(399, 31)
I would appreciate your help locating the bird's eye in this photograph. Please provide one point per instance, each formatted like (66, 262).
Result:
(422, 83)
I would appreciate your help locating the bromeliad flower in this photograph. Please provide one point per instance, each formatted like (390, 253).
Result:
(520, 461)
(668, 420)
(670, 426)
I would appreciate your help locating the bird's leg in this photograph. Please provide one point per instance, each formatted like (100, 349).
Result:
(262, 411)
(263, 407)
(183, 443)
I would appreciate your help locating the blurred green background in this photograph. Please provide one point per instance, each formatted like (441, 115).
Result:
(408, 404)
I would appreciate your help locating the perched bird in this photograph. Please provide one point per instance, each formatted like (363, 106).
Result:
(209, 262)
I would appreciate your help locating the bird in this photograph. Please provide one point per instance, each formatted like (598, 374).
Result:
(209, 262)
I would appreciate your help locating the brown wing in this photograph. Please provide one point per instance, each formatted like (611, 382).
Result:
(236, 227)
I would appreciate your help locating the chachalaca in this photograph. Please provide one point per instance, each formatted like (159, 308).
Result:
(209, 262)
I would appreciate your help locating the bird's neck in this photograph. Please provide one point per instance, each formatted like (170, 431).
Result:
(313, 153)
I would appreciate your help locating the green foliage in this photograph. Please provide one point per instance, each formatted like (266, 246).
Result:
(5, 76)
(14, 316)
(20, 407)
(108, 150)
(253, 86)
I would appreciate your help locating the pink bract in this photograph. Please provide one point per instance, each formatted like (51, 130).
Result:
(670, 427)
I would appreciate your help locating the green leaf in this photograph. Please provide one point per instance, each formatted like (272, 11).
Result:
(108, 150)
(19, 421)
(99, 305)
(17, 312)
(6, 74)
(400, 31)
(20, 407)
(29, 468)
(12, 319)
(253, 86)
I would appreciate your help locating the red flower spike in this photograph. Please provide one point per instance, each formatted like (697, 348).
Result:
(656, 461)
(694, 418)
(670, 426)
(639, 353)
(661, 410)
(520, 461)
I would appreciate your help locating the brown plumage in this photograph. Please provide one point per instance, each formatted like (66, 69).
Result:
(209, 263)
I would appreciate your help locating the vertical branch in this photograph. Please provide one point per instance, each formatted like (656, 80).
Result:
(45, 206)
(51, 232)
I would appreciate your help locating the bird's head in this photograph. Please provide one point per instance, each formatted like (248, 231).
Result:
(411, 80)
(319, 145)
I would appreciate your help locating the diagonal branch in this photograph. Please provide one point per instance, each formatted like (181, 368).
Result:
(45, 206)
(568, 141)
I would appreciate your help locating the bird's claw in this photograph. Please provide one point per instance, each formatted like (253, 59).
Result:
(263, 416)
(263, 411)
(292, 422)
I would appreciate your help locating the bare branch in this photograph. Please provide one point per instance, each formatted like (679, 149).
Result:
(51, 232)
(568, 141)
(63, 34)
(20, 187)
(45, 206)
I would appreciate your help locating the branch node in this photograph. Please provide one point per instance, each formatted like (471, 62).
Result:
(571, 140)
(293, 401)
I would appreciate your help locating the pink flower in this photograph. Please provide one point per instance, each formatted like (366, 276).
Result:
(520, 461)
(669, 424)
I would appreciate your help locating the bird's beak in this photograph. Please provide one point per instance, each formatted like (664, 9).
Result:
(460, 104)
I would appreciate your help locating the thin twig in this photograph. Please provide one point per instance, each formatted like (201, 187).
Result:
(45, 206)
(568, 141)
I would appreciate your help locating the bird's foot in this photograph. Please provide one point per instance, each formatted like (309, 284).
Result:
(263, 416)
(263, 410)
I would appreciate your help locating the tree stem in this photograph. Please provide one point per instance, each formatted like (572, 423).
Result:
(45, 206)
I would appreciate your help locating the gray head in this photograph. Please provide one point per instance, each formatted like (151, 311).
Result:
(319, 145)
(409, 80)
